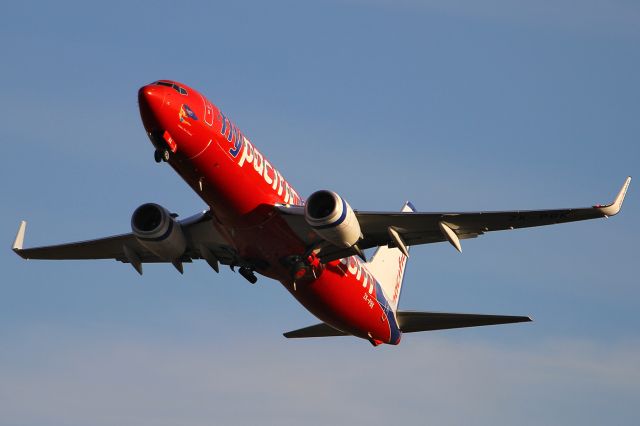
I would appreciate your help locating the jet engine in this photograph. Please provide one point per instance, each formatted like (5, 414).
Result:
(332, 218)
(158, 231)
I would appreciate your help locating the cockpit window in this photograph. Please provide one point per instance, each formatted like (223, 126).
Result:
(175, 87)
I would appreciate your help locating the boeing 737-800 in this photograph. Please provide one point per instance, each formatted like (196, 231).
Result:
(257, 223)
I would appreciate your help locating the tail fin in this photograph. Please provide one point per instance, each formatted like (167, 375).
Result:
(387, 266)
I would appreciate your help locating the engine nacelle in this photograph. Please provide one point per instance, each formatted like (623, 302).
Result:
(332, 218)
(158, 231)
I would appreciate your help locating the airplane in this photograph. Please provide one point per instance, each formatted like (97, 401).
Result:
(257, 223)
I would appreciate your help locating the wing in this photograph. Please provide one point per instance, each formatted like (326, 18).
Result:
(203, 242)
(411, 228)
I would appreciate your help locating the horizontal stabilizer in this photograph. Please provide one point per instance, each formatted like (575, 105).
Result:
(318, 330)
(410, 321)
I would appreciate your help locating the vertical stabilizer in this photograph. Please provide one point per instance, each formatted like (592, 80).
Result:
(387, 265)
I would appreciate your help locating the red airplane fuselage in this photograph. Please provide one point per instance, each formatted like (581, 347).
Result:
(241, 187)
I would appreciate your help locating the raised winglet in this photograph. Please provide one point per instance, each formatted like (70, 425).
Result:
(613, 208)
(19, 241)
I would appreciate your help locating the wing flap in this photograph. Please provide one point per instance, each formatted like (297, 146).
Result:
(412, 321)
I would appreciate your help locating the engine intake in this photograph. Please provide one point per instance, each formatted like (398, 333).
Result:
(155, 228)
(332, 218)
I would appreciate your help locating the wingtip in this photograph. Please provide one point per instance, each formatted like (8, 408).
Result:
(18, 243)
(613, 208)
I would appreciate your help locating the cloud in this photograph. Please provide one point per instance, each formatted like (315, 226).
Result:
(437, 379)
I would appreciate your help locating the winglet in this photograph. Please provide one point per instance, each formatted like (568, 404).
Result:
(19, 241)
(613, 208)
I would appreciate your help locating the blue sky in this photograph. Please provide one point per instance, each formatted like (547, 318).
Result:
(455, 105)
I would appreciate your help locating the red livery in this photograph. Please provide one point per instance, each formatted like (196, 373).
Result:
(258, 224)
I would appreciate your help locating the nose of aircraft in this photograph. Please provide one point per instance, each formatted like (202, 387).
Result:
(150, 100)
(166, 114)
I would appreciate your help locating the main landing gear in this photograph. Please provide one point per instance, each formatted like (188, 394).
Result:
(305, 268)
(162, 155)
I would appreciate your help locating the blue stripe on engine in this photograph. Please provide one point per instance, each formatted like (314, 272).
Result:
(341, 219)
(162, 237)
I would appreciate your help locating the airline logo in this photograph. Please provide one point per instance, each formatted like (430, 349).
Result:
(245, 153)
(358, 270)
(185, 112)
